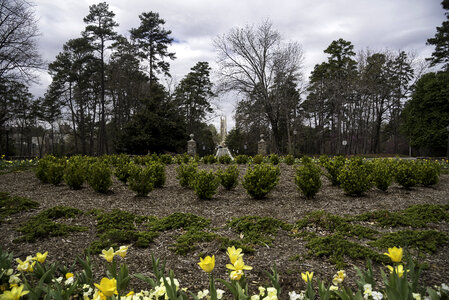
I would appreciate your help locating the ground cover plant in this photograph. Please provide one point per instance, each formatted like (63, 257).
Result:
(298, 235)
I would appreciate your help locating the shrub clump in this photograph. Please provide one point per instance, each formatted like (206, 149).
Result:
(289, 159)
(209, 159)
(429, 172)
(274, 159)
(159, 176)
(333, 167)
(186, 174)
(260, 180)
(406, 173)
(242, 159)
(258, 159)
(205, 184)
(74, 172)
(355, 177)
(166, 159)
(229, 178)
(41, 169)
(55, 171)
(141, 180)
(308, 179)
(123, 170)
(225, 159)
(382, 173)
(99, 177)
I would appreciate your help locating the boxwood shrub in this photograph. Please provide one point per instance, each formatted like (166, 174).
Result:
(260, 180)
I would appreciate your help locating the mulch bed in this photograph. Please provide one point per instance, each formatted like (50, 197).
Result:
(284, 203)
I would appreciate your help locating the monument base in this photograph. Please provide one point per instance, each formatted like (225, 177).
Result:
(222, 151)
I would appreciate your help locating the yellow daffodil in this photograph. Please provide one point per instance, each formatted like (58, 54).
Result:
(238, 265)
(14, 294)
(397, 269)
(68, 275)
(339, 277)
(207, 264)
(107, 286)
(108, 254)
(234, 254)
(122, 251)
(98, 296)
(130, 294)
(395, 254)
(41, 257)
(307, 276)
(236, 275)
(27, 265)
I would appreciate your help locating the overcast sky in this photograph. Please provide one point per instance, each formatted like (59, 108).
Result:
(375, 24)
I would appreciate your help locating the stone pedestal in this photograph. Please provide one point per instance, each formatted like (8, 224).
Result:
(191, 146)
(262, 146)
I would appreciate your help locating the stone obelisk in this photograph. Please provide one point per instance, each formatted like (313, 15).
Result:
(222, 149)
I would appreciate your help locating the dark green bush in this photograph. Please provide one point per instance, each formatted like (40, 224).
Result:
(308, 179)
(260, 180)
(241, 159)
(406, 173)
(274, 159)
(225, 159)
(289, 159)
(382, 173)
(122, 170)
(55, 172)
(229, 178)
(209, 159)
(141, 180)
(429, 172)
(205, 184)
(183, 158)
(333, 167)
(355, 177)
(166, 159)
(186, 174)
(158, 170)
(42, 167)
(258, 159)
(75, 172)
(99, 177)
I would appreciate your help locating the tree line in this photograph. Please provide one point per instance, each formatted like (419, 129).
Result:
(108, 95)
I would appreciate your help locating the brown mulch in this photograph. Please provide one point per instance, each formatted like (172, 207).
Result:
(284, 203)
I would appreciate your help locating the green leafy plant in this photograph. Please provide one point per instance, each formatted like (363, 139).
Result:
(209, 159)
(42, 166)
(75, 172)
(258, 159)
(141, 180)
(241, 159)
(308, 179)
(406, 173)
(289, 159)
(382, 173)
(225, 159)
(55, 172)
(260, 180)
(123, 170)
(429, 172)
(333, 167)
(158, 170)
(229, 177)
(186, 174)
(166, 159)
(99, 177)
(205, 184)
(274, 159)
(355, 177)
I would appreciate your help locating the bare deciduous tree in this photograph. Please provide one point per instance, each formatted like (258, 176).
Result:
(18, 46)
(251, 60)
